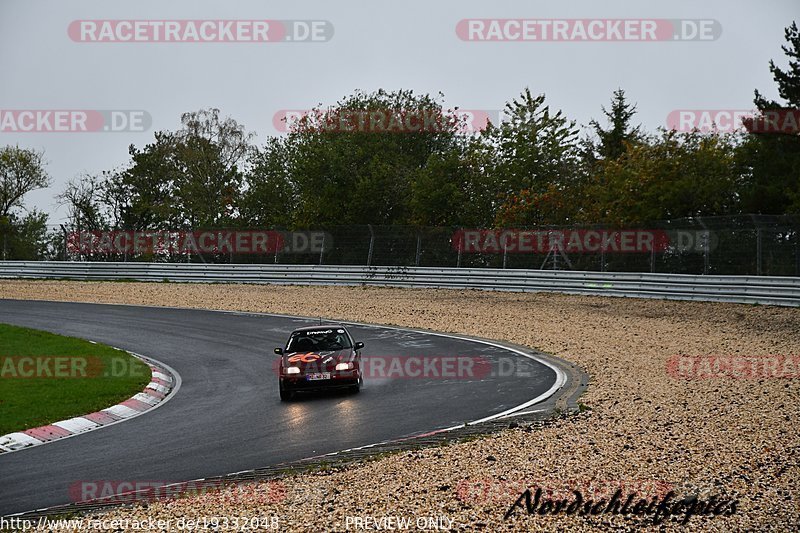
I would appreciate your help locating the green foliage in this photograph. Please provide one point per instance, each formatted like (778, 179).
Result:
(535, 147)
(364, 176)
(614, 141)
(21, 171)
(772, 182)
(270, 196)
(24, 238)
(533, 156)
(788, 81)
(672, 175)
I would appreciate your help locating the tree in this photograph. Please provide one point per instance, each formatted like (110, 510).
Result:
(150, 182)
(208, 152)
(788, 81)
(83, 198)
(614, 140)
(451, 190)
(189, 178)
(672, 175)
(533, 152)
(270, 197)
(772, 185)
(21, 171)
(115, 195)
(228, 136)
(26, 238)
(356, 162)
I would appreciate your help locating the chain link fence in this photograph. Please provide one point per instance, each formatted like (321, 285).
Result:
(732, 245)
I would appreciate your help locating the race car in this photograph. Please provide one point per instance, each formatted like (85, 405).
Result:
(317, 358)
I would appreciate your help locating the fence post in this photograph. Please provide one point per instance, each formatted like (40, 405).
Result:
(5, 225)
(322, 248)
(66, 244)
(419, 248)
(758, 252)
(371, 244)
(652, 258)
(797, 253)
(706, 251)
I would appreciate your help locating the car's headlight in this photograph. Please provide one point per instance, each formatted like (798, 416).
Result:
(344, 366)
(292, 370)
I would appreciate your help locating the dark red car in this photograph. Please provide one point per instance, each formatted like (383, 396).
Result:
(317, 358)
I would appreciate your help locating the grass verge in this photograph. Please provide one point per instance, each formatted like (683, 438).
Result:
(45, 377)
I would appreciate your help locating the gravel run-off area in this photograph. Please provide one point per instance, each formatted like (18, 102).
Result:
(646, 429)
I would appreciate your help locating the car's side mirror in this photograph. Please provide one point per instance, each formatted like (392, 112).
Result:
(278, 351)
(359, 345)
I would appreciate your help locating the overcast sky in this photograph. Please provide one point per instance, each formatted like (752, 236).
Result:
(375, 44)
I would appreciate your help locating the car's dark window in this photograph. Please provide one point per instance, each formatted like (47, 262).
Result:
(319, 340)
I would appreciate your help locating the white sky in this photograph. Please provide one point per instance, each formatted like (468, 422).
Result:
(377, 44)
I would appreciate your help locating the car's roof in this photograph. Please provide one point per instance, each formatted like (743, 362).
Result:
(319, 327)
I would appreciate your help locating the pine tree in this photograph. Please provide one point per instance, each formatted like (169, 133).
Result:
(613, 140)
(788, 81)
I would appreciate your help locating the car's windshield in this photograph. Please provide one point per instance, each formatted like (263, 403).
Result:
(318, 340)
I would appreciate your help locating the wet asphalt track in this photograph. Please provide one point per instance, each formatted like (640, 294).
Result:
(227, 416)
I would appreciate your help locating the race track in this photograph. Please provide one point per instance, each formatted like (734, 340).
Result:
(227, 416)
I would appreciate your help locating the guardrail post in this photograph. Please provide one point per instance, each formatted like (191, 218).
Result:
(322, 248)
(505, 255)
(419, 248)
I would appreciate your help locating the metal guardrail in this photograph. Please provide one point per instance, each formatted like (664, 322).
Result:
(741, 289)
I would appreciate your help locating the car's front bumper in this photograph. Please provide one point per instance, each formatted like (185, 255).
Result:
(302, 383)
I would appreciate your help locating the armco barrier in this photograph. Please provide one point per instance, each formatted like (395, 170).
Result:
(742, 289)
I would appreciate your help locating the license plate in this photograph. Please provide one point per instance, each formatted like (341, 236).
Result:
(315, 377)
